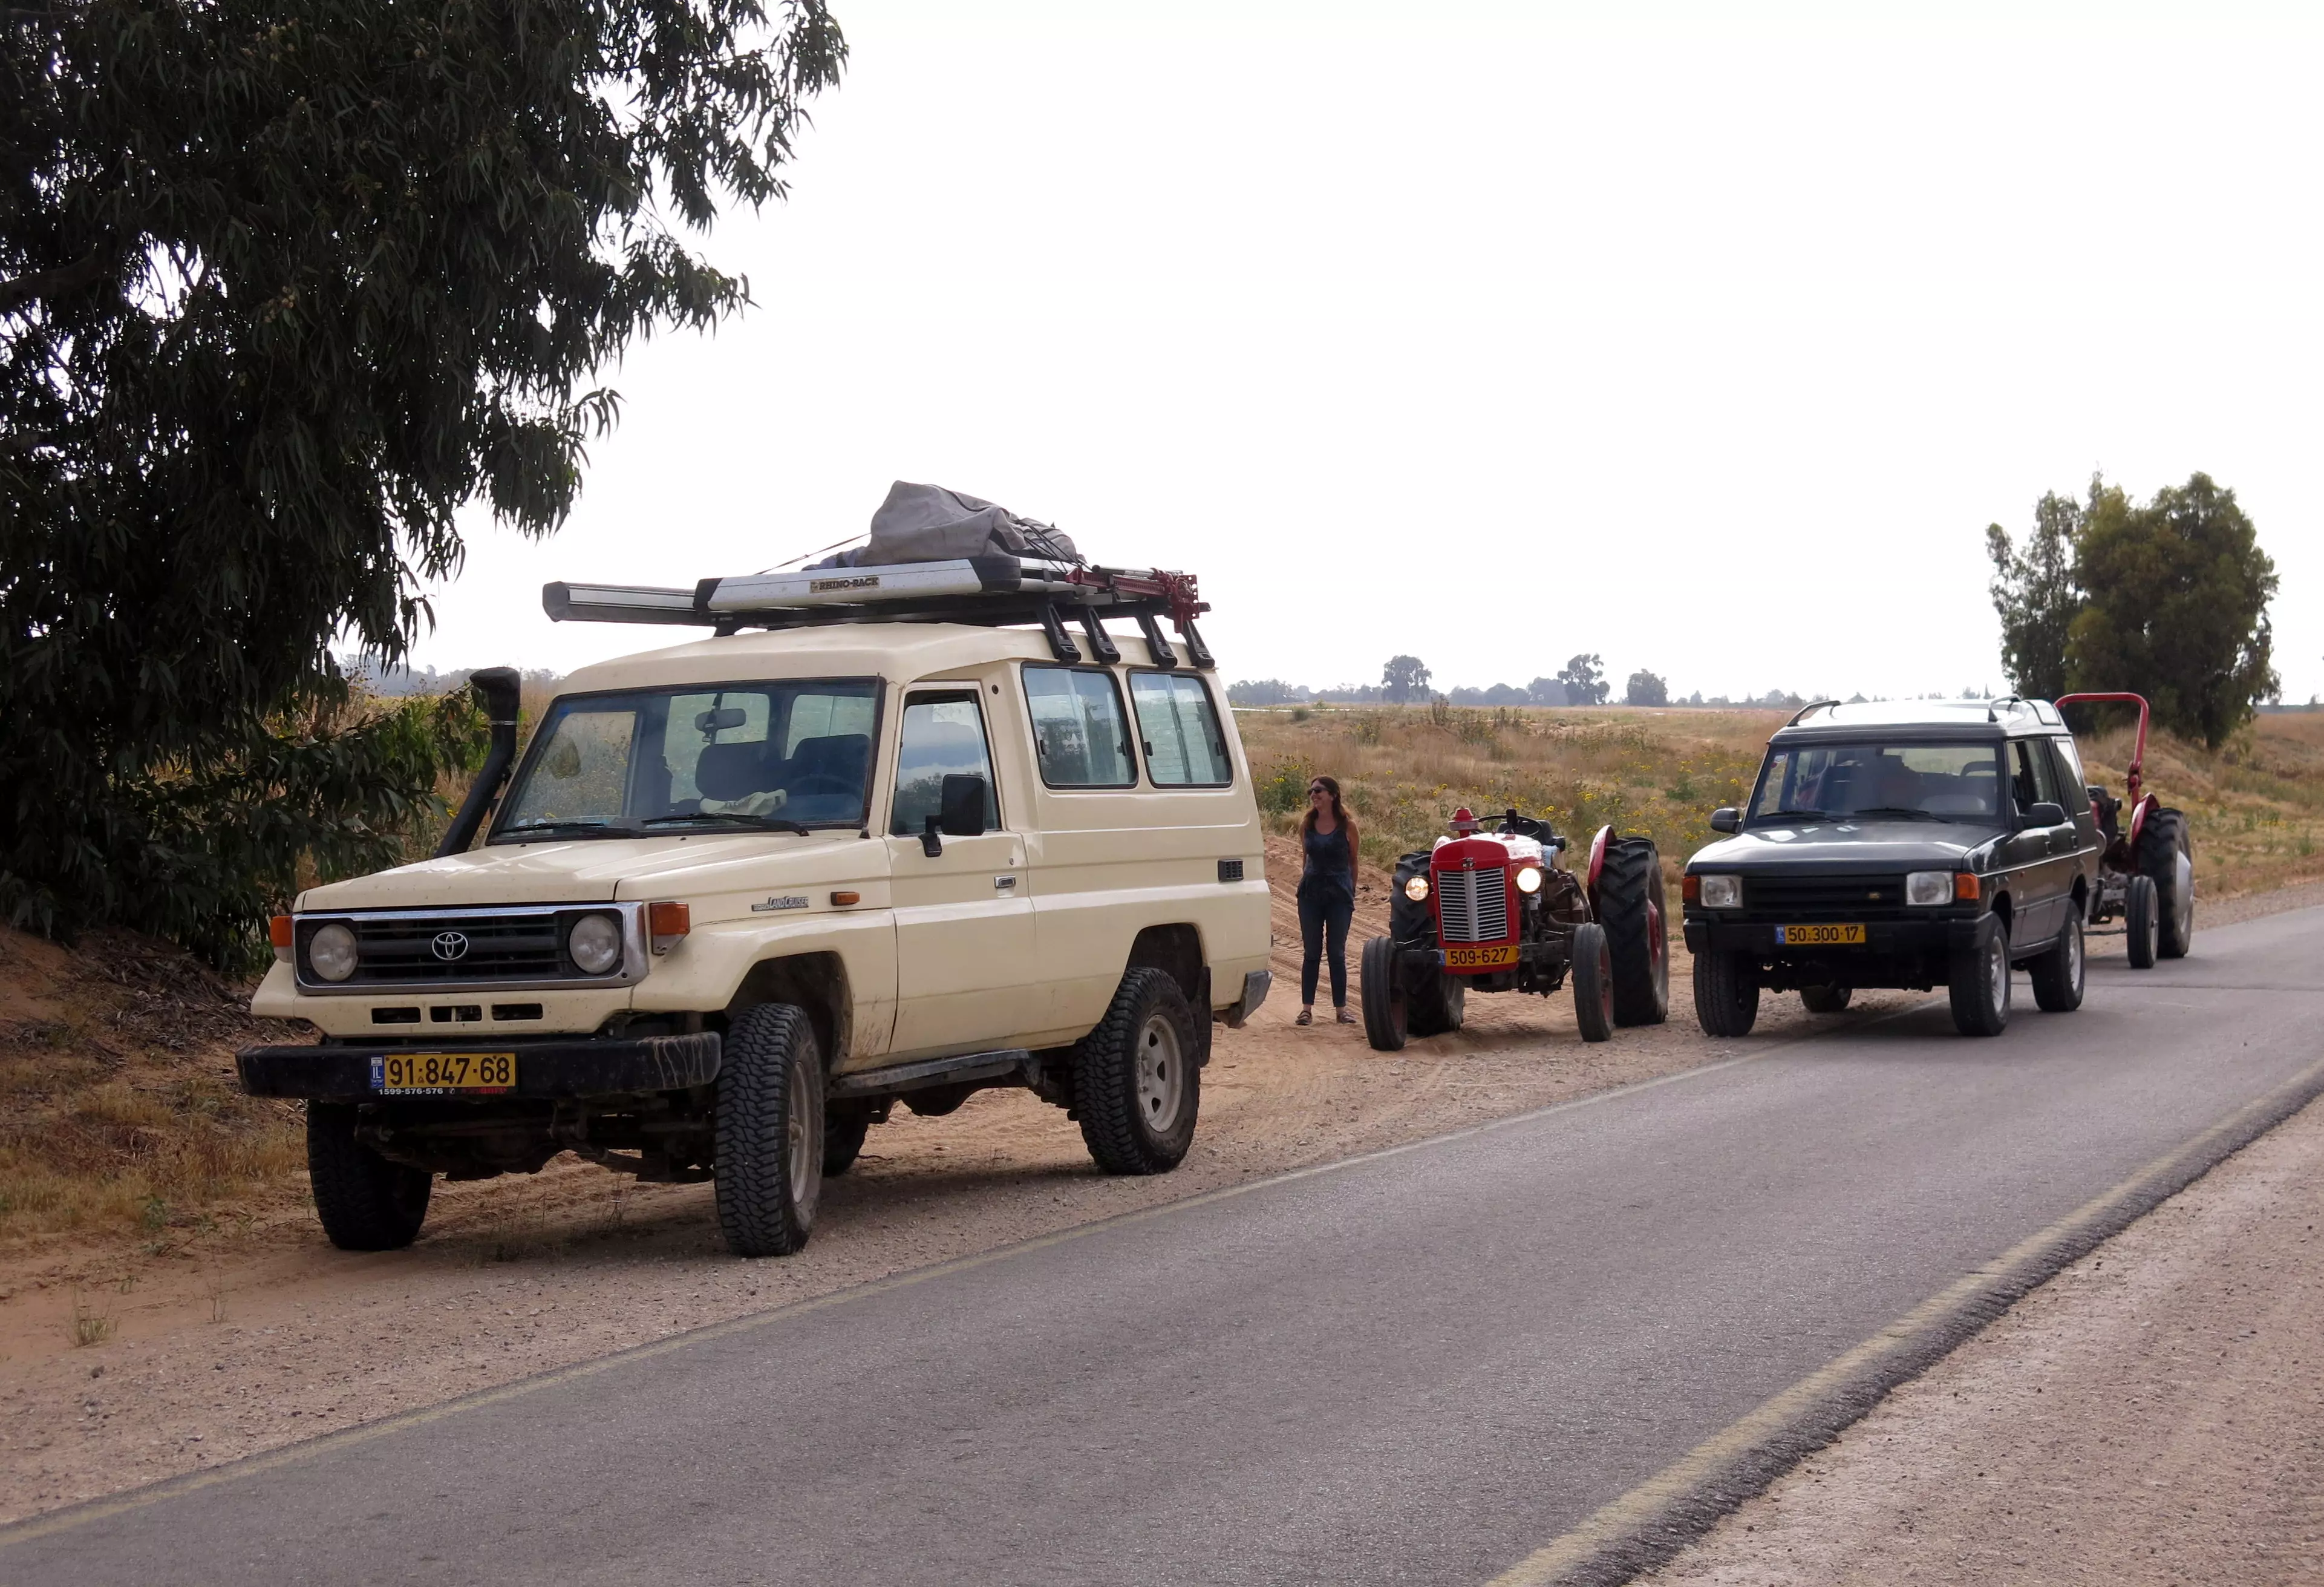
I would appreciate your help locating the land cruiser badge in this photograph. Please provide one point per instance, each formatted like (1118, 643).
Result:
(788, 901)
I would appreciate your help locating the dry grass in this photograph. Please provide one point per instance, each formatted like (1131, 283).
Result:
(2257, 806)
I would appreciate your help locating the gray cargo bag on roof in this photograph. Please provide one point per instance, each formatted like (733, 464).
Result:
(928, 523)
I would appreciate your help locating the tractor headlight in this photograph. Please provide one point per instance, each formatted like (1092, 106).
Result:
(1926, 889)
(1529, 879)
(1722, 892)
(331, 952)
(1416, 889)
(596, 943)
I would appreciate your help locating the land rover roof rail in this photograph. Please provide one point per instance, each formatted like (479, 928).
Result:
(996, 592)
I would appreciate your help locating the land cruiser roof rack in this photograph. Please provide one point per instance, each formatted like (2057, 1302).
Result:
(994, 592)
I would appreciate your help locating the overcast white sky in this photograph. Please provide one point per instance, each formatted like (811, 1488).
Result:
(1706, 338)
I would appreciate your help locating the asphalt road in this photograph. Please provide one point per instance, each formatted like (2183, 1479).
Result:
(1415, 1368)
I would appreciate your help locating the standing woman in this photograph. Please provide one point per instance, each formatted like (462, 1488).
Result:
(1327, 896)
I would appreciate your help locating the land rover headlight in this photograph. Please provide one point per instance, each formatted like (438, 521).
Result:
(1722, 892)
(1529, 879)
(331, 952)
(1926, 889)
(596, 943)
(1416, 889)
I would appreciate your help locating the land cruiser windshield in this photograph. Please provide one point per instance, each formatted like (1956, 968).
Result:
(778, 756)
(1879, 782)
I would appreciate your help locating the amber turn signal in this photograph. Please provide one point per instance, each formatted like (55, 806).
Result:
(665, 922)
(844, 898)
(1965, 889)
(1690, 889)
(278, 930)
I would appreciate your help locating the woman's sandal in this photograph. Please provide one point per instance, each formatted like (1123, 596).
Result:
(1306, 1016)
(1343, 1017)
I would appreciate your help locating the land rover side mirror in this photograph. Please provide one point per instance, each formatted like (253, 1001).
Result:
(2046, 813)
(962, 805)
(1725, 818)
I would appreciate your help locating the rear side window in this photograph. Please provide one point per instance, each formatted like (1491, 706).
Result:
(2070, 765)
(1184, 745)
(1078, 730)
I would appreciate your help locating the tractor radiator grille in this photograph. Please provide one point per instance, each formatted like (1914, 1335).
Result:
(1473, 906)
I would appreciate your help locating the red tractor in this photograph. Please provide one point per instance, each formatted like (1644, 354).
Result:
(1496, 911)
(2147, 877)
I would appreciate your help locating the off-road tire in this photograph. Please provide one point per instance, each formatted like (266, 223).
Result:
(1387, 1010)
(2162, 842)
(1136, 1088)
(2058, 975)
(366, 1203)
(1438, 1008)
(1726, 994)
(844, 1128)
(770, 1116)
(1978, 982)
(1636, 913)
(2142, 924)
(1593, 982)
(1824, 1000)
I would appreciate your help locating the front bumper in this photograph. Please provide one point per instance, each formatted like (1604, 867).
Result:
(544, 1069)
(1882, 940)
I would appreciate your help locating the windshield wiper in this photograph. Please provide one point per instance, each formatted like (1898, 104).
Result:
(737, 817)
(591, 828)
(1894, 811)
(1797, 815)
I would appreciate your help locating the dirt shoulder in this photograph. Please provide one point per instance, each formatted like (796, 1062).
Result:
(2153, 1416)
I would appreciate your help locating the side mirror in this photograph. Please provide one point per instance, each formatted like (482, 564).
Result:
(2046, 813)
(1725, 818)
(962, 805)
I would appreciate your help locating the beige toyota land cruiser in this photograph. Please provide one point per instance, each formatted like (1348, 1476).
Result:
(894, 834)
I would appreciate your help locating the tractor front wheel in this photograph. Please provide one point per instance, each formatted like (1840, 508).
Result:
(2140, 923)
(1593, 982)
(1386, 1013)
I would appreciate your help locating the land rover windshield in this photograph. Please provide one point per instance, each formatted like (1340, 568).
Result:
(1875, 781)
(784, 756)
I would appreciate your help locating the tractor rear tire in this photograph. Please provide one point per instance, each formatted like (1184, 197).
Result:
(1438, 1008)
(1979, 982)
(1136, 1088)
(1634, 908)
(2057, 973)
(1726, 993)
(769, 1170)
(2141, 920)
(1593, 982)
(2167, 853)
(1824, 1000)
(1387, 1012)
(366, 1203)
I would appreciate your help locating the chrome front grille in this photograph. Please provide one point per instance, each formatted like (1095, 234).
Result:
(1473, 906)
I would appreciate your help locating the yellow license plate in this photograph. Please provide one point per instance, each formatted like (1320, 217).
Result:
(1480, 958)
(1811, 936)
(431, 1074)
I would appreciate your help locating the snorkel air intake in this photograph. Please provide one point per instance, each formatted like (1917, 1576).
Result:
(498, 686)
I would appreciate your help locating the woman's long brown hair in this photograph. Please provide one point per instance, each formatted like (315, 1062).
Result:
(1345, 822)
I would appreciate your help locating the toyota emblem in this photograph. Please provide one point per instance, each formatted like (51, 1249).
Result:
(448, 946)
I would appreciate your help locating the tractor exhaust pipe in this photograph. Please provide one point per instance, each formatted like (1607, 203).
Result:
(500, 687)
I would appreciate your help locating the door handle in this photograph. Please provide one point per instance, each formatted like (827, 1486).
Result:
(1004, 883)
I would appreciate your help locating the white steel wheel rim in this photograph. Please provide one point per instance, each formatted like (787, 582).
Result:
(804, 1127)
(1161, 1074)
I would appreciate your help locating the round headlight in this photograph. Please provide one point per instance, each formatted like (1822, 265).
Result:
(1529, 879)
(596, 943)
(1416, 889)
(331, 952)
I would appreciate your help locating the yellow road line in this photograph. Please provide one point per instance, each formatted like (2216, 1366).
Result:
(1654, 1520)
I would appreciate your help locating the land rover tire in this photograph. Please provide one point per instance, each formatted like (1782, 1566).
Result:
(1824, 1000)
(2140, 923)
(1438, 1006)
(1726, 993)
(1633, 907)
(1387, 1009)
(2166, 854)
(1978, 981)
(1136, 1088)
(1593, 982)
(770, 1118)
(366, 1203)
(2058, 974)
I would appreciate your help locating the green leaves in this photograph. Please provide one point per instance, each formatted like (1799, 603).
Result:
(283, 286)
